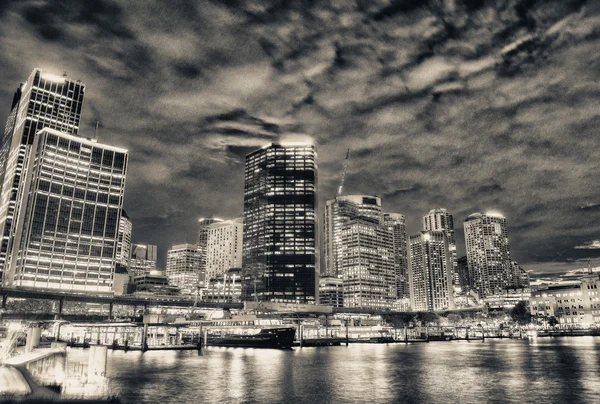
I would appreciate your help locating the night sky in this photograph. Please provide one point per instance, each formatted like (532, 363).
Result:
(471, 105)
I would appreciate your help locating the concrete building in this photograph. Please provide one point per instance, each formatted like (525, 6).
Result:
(430, 272)
(396, 223)
(224, 288)
(574, 305)
(124, 240)
(65, 236)
(440, 219)
(223, 245)
(280, 260)
(508, 299)
(488, 253)
(154, 282)
(338, 211)
(184, 267)
(331, 291)
(143, 259)
(45, 100)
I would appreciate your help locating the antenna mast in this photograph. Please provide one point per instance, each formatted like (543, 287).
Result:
(344, 173)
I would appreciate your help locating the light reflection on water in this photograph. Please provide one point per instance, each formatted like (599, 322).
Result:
(495, 371)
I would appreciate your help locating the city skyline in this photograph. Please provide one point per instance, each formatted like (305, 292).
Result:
(263, 92)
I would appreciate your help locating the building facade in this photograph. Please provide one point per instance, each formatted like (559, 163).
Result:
(488, 253)
(430, 272)
(143, 259)
(43, 101)
(396, 223)
(331, 291)
(223, 247)
(184, 267)
(575, 305)
(280, 260)
(338, 211)
(124, 240)
(440, 219)
(66, 236)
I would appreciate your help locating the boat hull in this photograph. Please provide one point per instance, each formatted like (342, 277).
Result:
(280, 338)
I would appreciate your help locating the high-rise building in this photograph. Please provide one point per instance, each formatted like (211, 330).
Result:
(44, 100)
(223, 247)
(338, 211)
(430, 272)
(520, 277)
(143, 259)
(183, 267)
(441, 220)
(396, 223)
(463, 274)
(124, 240)
(65, 236)
(280, 259)
(331, 291)
(488, 253)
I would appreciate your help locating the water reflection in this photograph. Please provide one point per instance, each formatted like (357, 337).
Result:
(545, 370)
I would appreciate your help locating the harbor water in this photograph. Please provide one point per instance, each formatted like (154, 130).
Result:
(542, 370)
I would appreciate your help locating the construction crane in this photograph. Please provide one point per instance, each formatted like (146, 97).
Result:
(344, 172)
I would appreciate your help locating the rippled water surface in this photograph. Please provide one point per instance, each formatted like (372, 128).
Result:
(559, 370)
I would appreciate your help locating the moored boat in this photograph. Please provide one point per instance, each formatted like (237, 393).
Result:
(281, 338)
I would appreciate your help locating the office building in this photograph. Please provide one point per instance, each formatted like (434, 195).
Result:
(184, 267)
(430, 272)
(396, 223)
(488, 253)
(520, 277)
(66, 235)
(43, 101)
(124, 240)
(143, 259)
(224, 288)
(574, 305)
(331, 291)
(338, 211)
(223, 247)
(154, 282)
(280, 259)
(441, 220)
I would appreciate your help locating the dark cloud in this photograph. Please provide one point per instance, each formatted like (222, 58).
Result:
(472, 105)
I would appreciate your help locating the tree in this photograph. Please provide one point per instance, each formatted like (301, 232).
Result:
(520, 313)
(427, 317)
(454, 319)
(552, 321)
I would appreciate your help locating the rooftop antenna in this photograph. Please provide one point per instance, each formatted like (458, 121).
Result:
(97, 123)
(344, 173)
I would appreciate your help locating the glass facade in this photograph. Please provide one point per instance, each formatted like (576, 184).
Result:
(67, 236)
(280, 259)
(43, 101)
(184, 267)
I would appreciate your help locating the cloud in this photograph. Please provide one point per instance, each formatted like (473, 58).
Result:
(592, 245)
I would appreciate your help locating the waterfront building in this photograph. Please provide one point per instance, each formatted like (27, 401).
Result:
(124, 240)
(143, 259)
(430, 272)
(223, 246)
(508, 299)
(441, 220)
(338, 211)
(396, 223)
(280, 259)
(520, 278)
(43, 101)
(184, 267)
(153, 282)
(66, 235)
(488, 253)
(574, 305)
(331, 291)
(224, 288)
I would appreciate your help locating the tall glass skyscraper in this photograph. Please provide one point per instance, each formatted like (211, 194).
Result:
(280, 260)
(66, 235)
(396, 223)
(44, 100)
(441, 220)
(488, 253)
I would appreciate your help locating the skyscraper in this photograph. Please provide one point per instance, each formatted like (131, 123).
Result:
(143, 259)
(124, 240)
(65, 236)
(203, 225)
(396, 223)
(441, 220)
(338, 211)
(183, 267)
(430, 272)
(488, 253)
(44, 100)
(280, 258)
(223, 247)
